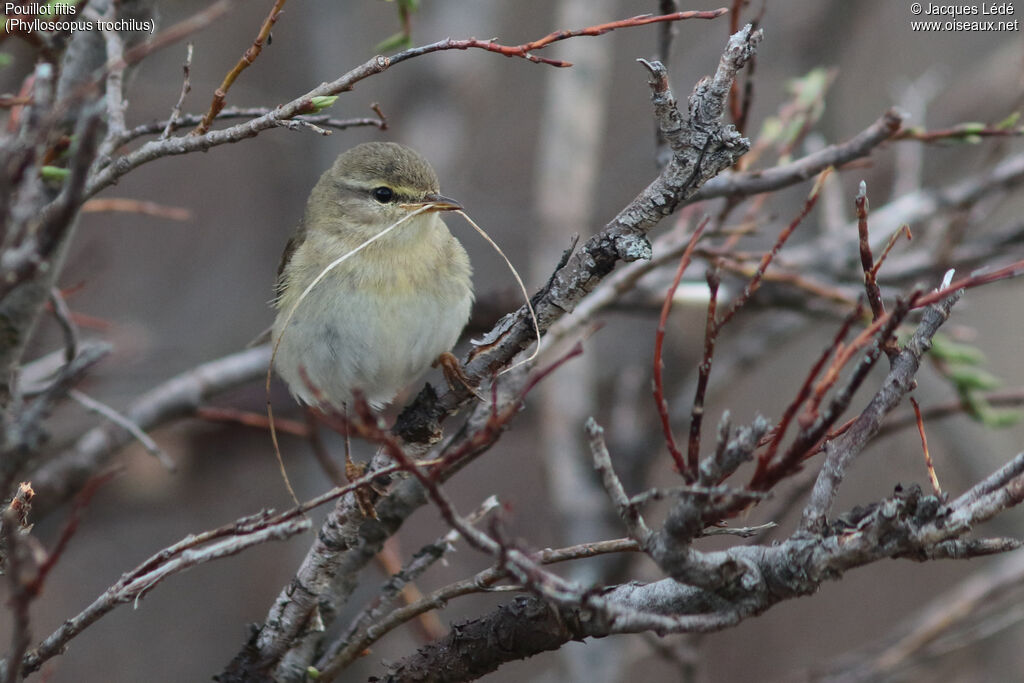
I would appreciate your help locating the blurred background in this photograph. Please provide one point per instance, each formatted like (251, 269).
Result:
(172, 294)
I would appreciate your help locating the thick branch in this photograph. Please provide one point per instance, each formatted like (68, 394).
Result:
(701, 149)
(752, 579)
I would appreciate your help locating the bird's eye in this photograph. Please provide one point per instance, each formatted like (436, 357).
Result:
(383, 194)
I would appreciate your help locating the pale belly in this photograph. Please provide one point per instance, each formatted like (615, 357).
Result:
(376, 344)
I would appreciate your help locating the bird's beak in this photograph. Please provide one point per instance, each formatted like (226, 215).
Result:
(435, 202)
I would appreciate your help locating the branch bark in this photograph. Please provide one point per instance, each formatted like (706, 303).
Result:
(703, 145)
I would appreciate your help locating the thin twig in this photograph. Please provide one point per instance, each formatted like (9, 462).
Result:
(324, 120)
(526, 50)
(769, 255)
(659, 340)
(1004, 397)
(867, 261)
(186, 87)
(122, 421)
(70, 331)
(243, 63)
(924, 447)
(132, 585)
(967, 132)
(843, 450)
(703, 372)
(902, 230)
(136, 206)
(363, 624)
(627, 509)
(766, 458)
(117, 105)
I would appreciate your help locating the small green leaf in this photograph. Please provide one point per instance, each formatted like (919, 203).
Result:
(398, 41)
(54, 173)
(970, 378)
(1001, 419)
(1009, 122)
(971, 127)
(321, 102)
(952, 352)
(313, 672)
(810, 88)
(981, 410)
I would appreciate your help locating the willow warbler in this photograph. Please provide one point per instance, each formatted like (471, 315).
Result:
(377, 320)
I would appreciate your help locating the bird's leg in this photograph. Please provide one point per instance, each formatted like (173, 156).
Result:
(454, 375)
(352, 470)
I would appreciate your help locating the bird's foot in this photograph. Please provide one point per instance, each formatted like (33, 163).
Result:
(454, 375)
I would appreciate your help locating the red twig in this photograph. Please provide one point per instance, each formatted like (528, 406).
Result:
(880, 330)
(659, 341)
(966, 132)
(766, 260)
(525, 50)
(138, 206)
(870, 268)
(739, 107)
(1006, 272)
(815, 426)
(867, 260)
(540, 375)
(924, 445)
(734, 16)
(168, 36)
(844, 354)
(383, 120)
(21, 504)
(1007, 397)
(249, 419)
(808, 284)
(703, 373)
(766, 458)
(735, 110)
(902, 230)
(250, 55)
(497, 419)
(7, 101)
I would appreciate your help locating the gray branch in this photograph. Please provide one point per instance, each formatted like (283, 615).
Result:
(703, 145)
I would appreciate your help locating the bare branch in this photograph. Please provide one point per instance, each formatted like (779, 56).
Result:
(122, 421)
(755, 182)
(842, 451)
(132, 585)
(246, 60)
(526, 49)
(60, 477)
(157, 149)
(627, 509)
(186, 87)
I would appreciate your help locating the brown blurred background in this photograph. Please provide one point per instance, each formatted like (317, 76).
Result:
(174, 294)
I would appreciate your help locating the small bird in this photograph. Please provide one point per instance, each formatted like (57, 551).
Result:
(381, 317)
